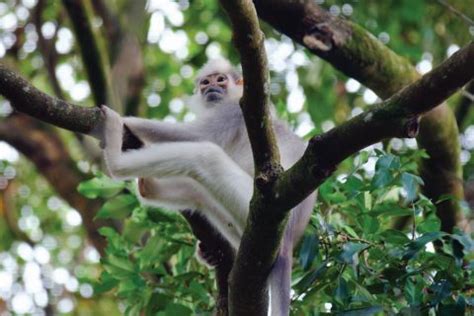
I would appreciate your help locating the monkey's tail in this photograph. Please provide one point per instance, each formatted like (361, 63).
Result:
(280, 283)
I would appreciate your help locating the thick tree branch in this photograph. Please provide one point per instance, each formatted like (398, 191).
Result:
(89, 50)
(395, 117)
(27, 99)
(353, 51)
(249, 40)
(248, 286)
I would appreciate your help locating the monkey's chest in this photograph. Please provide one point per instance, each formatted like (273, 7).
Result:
(237, 146)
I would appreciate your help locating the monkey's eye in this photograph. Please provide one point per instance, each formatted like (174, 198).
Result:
(221, 78)
(205, 82)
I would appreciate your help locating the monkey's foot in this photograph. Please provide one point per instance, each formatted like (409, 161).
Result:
(145, 187)
(211, 256)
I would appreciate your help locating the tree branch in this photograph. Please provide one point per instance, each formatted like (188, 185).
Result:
(27, 99)
(248, 291)
(395, 117)
(92, 60)
(47, 49)
(249, 40)
(353, 51)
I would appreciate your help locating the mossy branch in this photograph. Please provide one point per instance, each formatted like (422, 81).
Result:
(355, 52)
(398, 116)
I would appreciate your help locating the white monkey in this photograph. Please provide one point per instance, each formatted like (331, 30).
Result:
(207, 165)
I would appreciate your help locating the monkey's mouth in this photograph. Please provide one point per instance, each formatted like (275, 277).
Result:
(214, 94)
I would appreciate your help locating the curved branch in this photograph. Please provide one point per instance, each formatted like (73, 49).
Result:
(395, 117)
(29, 100)
(92, 60)
(358, 54)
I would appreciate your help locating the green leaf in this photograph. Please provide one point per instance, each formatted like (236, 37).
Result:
(100, 187)
(312, 276)
(466, 241)
(341, 293)
(176, 310)
(349, 250)
(105, 284)
(118, 267)
(108, 232)
(368, 224)
(157, 215)
(410, 183)
(381, 179)
(309, 250)
(413, 292)
(432, 224)
(415, 246)
(158, 302)
(384, 168)
(458, 308)
(353, 185)
(441, 289)
(363, 157)
(364, 311)
(118, 207)
(394, 237)
(390, 210)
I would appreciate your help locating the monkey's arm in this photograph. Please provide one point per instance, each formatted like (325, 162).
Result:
(153, 131)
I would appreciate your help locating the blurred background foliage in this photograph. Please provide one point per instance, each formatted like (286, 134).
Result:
(350, 261)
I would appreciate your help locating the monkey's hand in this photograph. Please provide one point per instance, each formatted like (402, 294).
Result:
(112, 135)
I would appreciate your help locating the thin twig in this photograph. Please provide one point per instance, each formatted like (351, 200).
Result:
(464, 17)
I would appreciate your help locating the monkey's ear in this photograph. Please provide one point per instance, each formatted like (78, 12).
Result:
(239, 81)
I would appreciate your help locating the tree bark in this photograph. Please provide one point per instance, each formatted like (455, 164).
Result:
(358, 54)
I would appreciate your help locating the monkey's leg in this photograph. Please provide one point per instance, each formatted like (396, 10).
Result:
(179, 193)
(204, 162)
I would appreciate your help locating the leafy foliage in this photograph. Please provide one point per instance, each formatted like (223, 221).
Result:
(362, 266)
(351, 259)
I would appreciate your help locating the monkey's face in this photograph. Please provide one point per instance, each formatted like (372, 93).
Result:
(214, 87)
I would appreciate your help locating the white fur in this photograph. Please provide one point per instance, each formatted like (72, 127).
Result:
(234, 91)
(214, 66)
(207, 165)
(179, 193)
